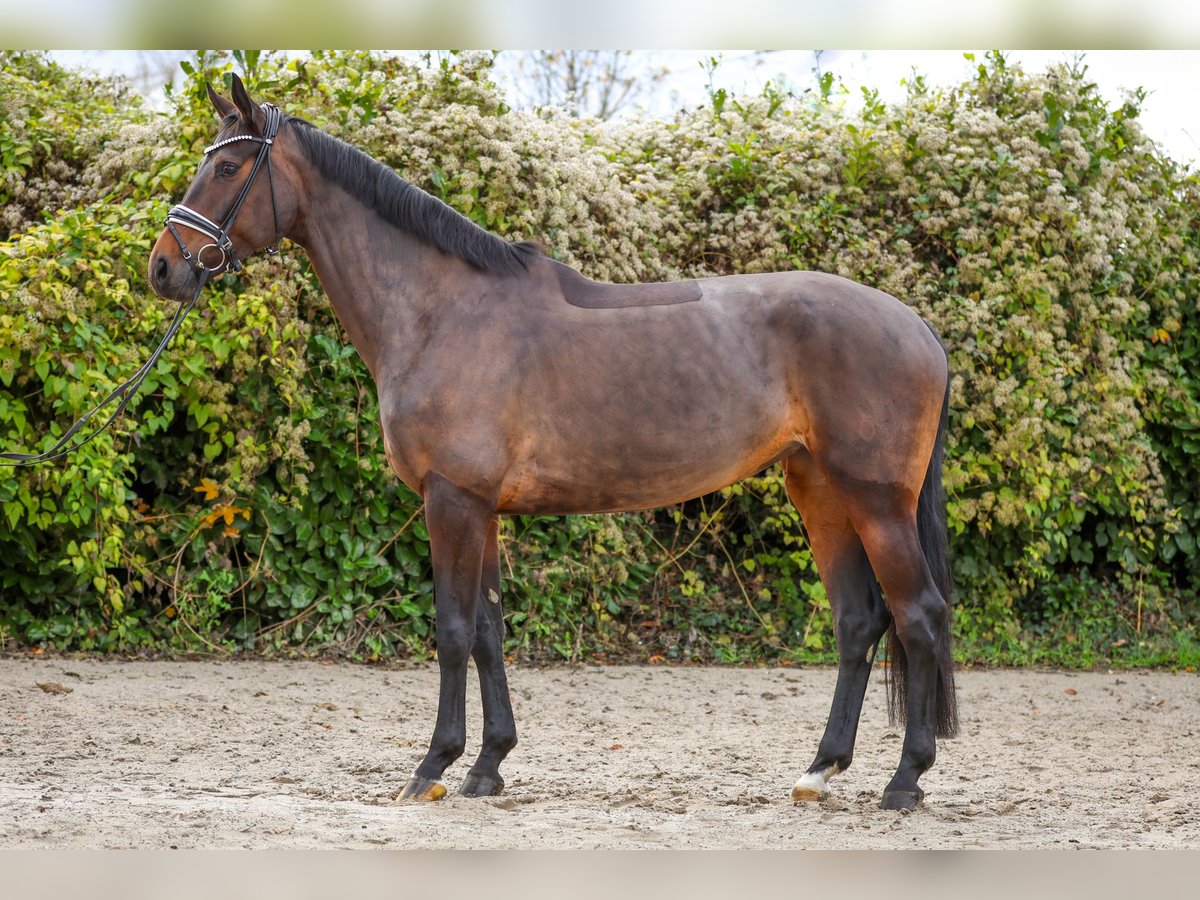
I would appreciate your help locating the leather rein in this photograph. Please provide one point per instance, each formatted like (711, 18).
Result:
(219, 240)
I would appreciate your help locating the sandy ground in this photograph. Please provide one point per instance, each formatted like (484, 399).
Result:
(282, 754)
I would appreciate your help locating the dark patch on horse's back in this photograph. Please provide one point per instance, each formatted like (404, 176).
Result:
(587, 294)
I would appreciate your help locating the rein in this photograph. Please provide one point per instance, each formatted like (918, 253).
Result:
(125, 392)
(220, 240)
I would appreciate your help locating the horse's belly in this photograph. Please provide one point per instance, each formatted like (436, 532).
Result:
(583, 482)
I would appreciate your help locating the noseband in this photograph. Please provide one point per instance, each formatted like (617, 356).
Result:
(218, 235)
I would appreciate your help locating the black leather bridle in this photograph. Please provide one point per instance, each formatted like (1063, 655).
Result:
(219, 234)
(219, 237)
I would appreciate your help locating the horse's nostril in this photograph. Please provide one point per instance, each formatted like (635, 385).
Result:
(160, 270)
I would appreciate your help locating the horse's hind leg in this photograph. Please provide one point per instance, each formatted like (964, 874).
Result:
(499, 730)
(860, 617)
(888, 529)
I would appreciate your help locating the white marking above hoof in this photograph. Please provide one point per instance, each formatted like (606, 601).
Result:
(814, 785)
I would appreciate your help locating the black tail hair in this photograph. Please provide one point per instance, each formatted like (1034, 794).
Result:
(935, 543)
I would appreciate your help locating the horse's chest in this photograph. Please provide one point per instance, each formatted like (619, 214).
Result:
(405, 454)
(444, 432)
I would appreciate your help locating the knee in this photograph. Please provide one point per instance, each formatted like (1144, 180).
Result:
(454, 644)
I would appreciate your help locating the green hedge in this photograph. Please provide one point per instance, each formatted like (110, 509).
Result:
(244, 502)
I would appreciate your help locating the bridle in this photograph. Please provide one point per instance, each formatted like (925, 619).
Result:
(219, 234)
(220, 240)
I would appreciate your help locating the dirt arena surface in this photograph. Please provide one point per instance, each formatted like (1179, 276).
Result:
(304, 754)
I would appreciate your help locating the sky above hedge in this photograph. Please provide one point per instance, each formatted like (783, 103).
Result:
(1169, 114)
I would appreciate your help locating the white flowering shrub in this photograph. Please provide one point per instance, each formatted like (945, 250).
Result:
(1045, 237)
(53, 125)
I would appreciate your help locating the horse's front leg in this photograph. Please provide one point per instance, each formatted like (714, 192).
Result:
(458, 524)
(499, 730)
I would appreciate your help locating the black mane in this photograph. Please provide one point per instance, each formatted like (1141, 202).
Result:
(407, 206)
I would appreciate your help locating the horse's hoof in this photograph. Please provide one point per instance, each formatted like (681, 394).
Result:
(810, 787)
(814, 785)
(421, 790)
(902, 799)
(481, 785)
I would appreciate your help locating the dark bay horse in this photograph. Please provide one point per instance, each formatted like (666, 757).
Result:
(509, 383)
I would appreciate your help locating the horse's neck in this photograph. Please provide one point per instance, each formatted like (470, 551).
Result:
(370, 272)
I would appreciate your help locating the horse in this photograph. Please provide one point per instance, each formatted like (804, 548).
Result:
(509, 383)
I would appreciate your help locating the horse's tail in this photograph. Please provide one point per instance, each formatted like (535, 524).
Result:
(931, 528)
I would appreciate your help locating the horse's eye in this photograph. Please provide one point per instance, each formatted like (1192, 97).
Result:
(228, 169)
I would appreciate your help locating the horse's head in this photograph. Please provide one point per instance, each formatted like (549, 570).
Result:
(244, 197)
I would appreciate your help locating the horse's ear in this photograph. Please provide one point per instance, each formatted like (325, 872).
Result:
(251, 114)
(220, 104)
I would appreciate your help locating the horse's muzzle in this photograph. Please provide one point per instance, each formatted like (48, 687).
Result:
(171, 279)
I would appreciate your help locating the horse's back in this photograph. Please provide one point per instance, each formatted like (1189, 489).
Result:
(813, 302)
